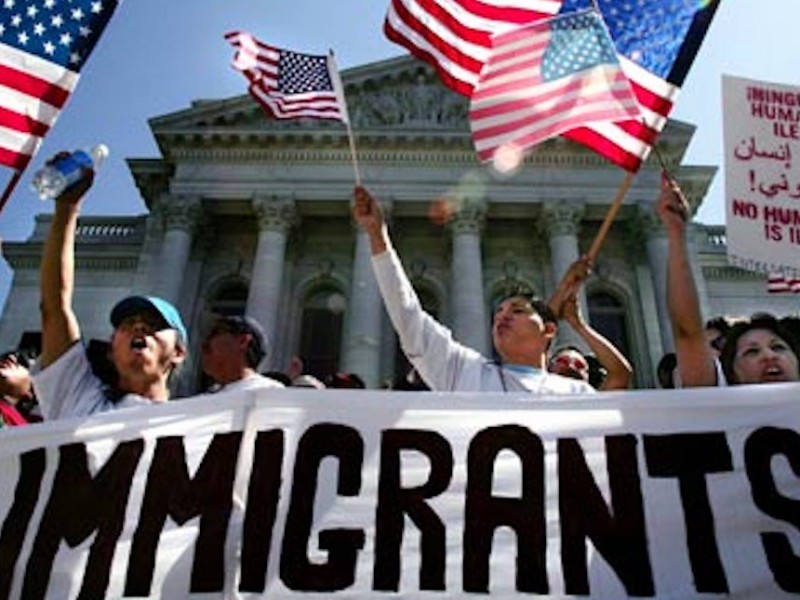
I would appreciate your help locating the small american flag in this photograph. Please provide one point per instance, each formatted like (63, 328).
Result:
(288, 84)
(455, 35)
(778, 283)
(43, 46)
(543, 79)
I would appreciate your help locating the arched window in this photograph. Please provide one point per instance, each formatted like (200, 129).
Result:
(607, 315)
(321, 331)
(430, 303)
(229, 300)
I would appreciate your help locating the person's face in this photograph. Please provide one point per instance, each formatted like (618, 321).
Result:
(570, 363)
(224, 354)
(519, 328)
(143, 347)
(15, 379)
(764, 357)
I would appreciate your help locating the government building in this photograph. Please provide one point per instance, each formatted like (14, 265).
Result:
(251, 215)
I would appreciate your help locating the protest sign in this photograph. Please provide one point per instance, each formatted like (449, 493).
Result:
(762, 174)
(308, 494)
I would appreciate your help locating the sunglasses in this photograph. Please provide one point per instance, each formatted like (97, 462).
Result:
(569, 362)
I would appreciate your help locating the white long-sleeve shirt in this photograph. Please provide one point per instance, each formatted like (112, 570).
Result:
(445, 364)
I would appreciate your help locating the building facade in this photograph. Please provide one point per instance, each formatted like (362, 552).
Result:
(251, 215)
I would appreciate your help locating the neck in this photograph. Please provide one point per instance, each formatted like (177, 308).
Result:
(527, 359)
(237, 375)
(155, 391)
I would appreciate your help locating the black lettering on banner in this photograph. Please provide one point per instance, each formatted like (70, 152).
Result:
(396, 502)
(619, 534)
(170, 492)
(760, 448)
(78, 506)
(321, 441)
(525, 515)
(689, 457)
(262, 506)
(15, 526)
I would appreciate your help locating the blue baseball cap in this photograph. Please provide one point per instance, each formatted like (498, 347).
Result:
(136, 304)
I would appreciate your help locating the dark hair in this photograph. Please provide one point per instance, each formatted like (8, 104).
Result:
(665, 371)
(721, 324)
(758, 321)
(345, 381)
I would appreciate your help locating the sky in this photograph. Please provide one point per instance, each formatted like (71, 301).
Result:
(157, 56)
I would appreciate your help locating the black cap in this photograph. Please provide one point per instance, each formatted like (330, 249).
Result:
(243, 325)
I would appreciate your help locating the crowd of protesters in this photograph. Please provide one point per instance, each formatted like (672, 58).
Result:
(149, 342)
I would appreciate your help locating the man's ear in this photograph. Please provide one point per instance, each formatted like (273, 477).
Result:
(180, 354)
(550, 330)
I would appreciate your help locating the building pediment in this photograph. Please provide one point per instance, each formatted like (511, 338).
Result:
(401, 93)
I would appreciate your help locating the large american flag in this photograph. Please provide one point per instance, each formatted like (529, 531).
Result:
(43, 46)
(657, 41)
(287, 84)
(546, 78)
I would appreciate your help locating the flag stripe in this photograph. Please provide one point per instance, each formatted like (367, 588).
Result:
(778, 283)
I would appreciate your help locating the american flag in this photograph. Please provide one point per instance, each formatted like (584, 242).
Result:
(778, 283)
(455, 35)
(288, 84)
(657, 41)
(43, 46)
(545, 78)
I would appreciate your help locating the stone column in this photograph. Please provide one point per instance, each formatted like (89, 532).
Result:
(181, 217)
(470, 324)
(562, 221)
(363, 343)
(657, 256)
(275, 218)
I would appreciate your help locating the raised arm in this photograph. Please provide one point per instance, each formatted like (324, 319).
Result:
(695, 359)
(619, 370)
(59, 325)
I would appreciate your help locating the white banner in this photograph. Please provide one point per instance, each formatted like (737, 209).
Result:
(762, 174)
(351, 494)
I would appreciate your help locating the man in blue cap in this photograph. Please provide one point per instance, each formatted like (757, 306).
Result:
(148, 344)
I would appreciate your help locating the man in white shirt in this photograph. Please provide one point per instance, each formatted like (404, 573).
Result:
(148, 344)
(522, 331)
(232, 351)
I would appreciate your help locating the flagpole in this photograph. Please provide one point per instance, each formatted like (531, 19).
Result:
(10, 187)
(338, 89)
(610, 216)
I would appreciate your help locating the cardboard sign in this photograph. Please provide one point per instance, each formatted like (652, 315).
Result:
(762, 174)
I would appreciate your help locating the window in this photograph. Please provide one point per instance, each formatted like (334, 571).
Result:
(230, 299)
(607, 315)
(321, 331)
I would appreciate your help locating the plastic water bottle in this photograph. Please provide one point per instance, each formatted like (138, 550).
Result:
(51, 180)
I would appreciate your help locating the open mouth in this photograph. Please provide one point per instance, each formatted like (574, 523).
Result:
(138, 344)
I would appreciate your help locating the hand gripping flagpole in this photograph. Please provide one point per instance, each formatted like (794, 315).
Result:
(338, 89)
